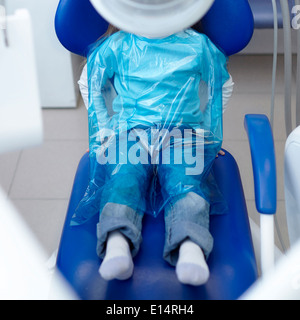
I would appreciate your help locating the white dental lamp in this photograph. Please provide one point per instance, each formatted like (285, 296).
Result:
(152, 18)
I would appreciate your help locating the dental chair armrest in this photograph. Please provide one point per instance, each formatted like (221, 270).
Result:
(262, 150)
(264, 171)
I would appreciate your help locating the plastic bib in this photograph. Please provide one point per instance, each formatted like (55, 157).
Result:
(155, 121)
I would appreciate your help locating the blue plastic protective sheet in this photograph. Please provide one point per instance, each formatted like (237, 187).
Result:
(155, 121)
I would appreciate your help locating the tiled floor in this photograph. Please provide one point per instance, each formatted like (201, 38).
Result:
(39, 180)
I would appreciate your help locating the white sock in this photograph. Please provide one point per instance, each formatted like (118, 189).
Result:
(191, 267)
(117, 263)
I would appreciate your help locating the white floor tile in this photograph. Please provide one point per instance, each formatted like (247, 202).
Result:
(253, 73)
(8, 165)
(47, 172)
(66, 124)
(242, 104)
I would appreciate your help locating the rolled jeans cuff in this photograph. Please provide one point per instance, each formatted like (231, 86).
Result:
(125, 220)
(182, 231)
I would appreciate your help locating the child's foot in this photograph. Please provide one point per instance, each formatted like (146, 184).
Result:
(117, 263)
(191, 267)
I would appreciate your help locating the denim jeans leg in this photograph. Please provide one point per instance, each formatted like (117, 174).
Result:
(186, 217)
(122, 218)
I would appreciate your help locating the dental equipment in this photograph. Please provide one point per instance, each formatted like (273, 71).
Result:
(152, 19)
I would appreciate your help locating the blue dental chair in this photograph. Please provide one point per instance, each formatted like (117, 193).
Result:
(229, 23)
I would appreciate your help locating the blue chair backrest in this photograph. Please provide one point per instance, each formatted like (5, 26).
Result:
(229, 24)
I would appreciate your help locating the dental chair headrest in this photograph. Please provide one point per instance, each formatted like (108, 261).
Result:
(228, 23)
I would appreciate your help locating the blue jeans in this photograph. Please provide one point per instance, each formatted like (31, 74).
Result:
(124, 202)
(186, 217)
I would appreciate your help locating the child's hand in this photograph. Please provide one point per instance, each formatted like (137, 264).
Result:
(221, 153)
